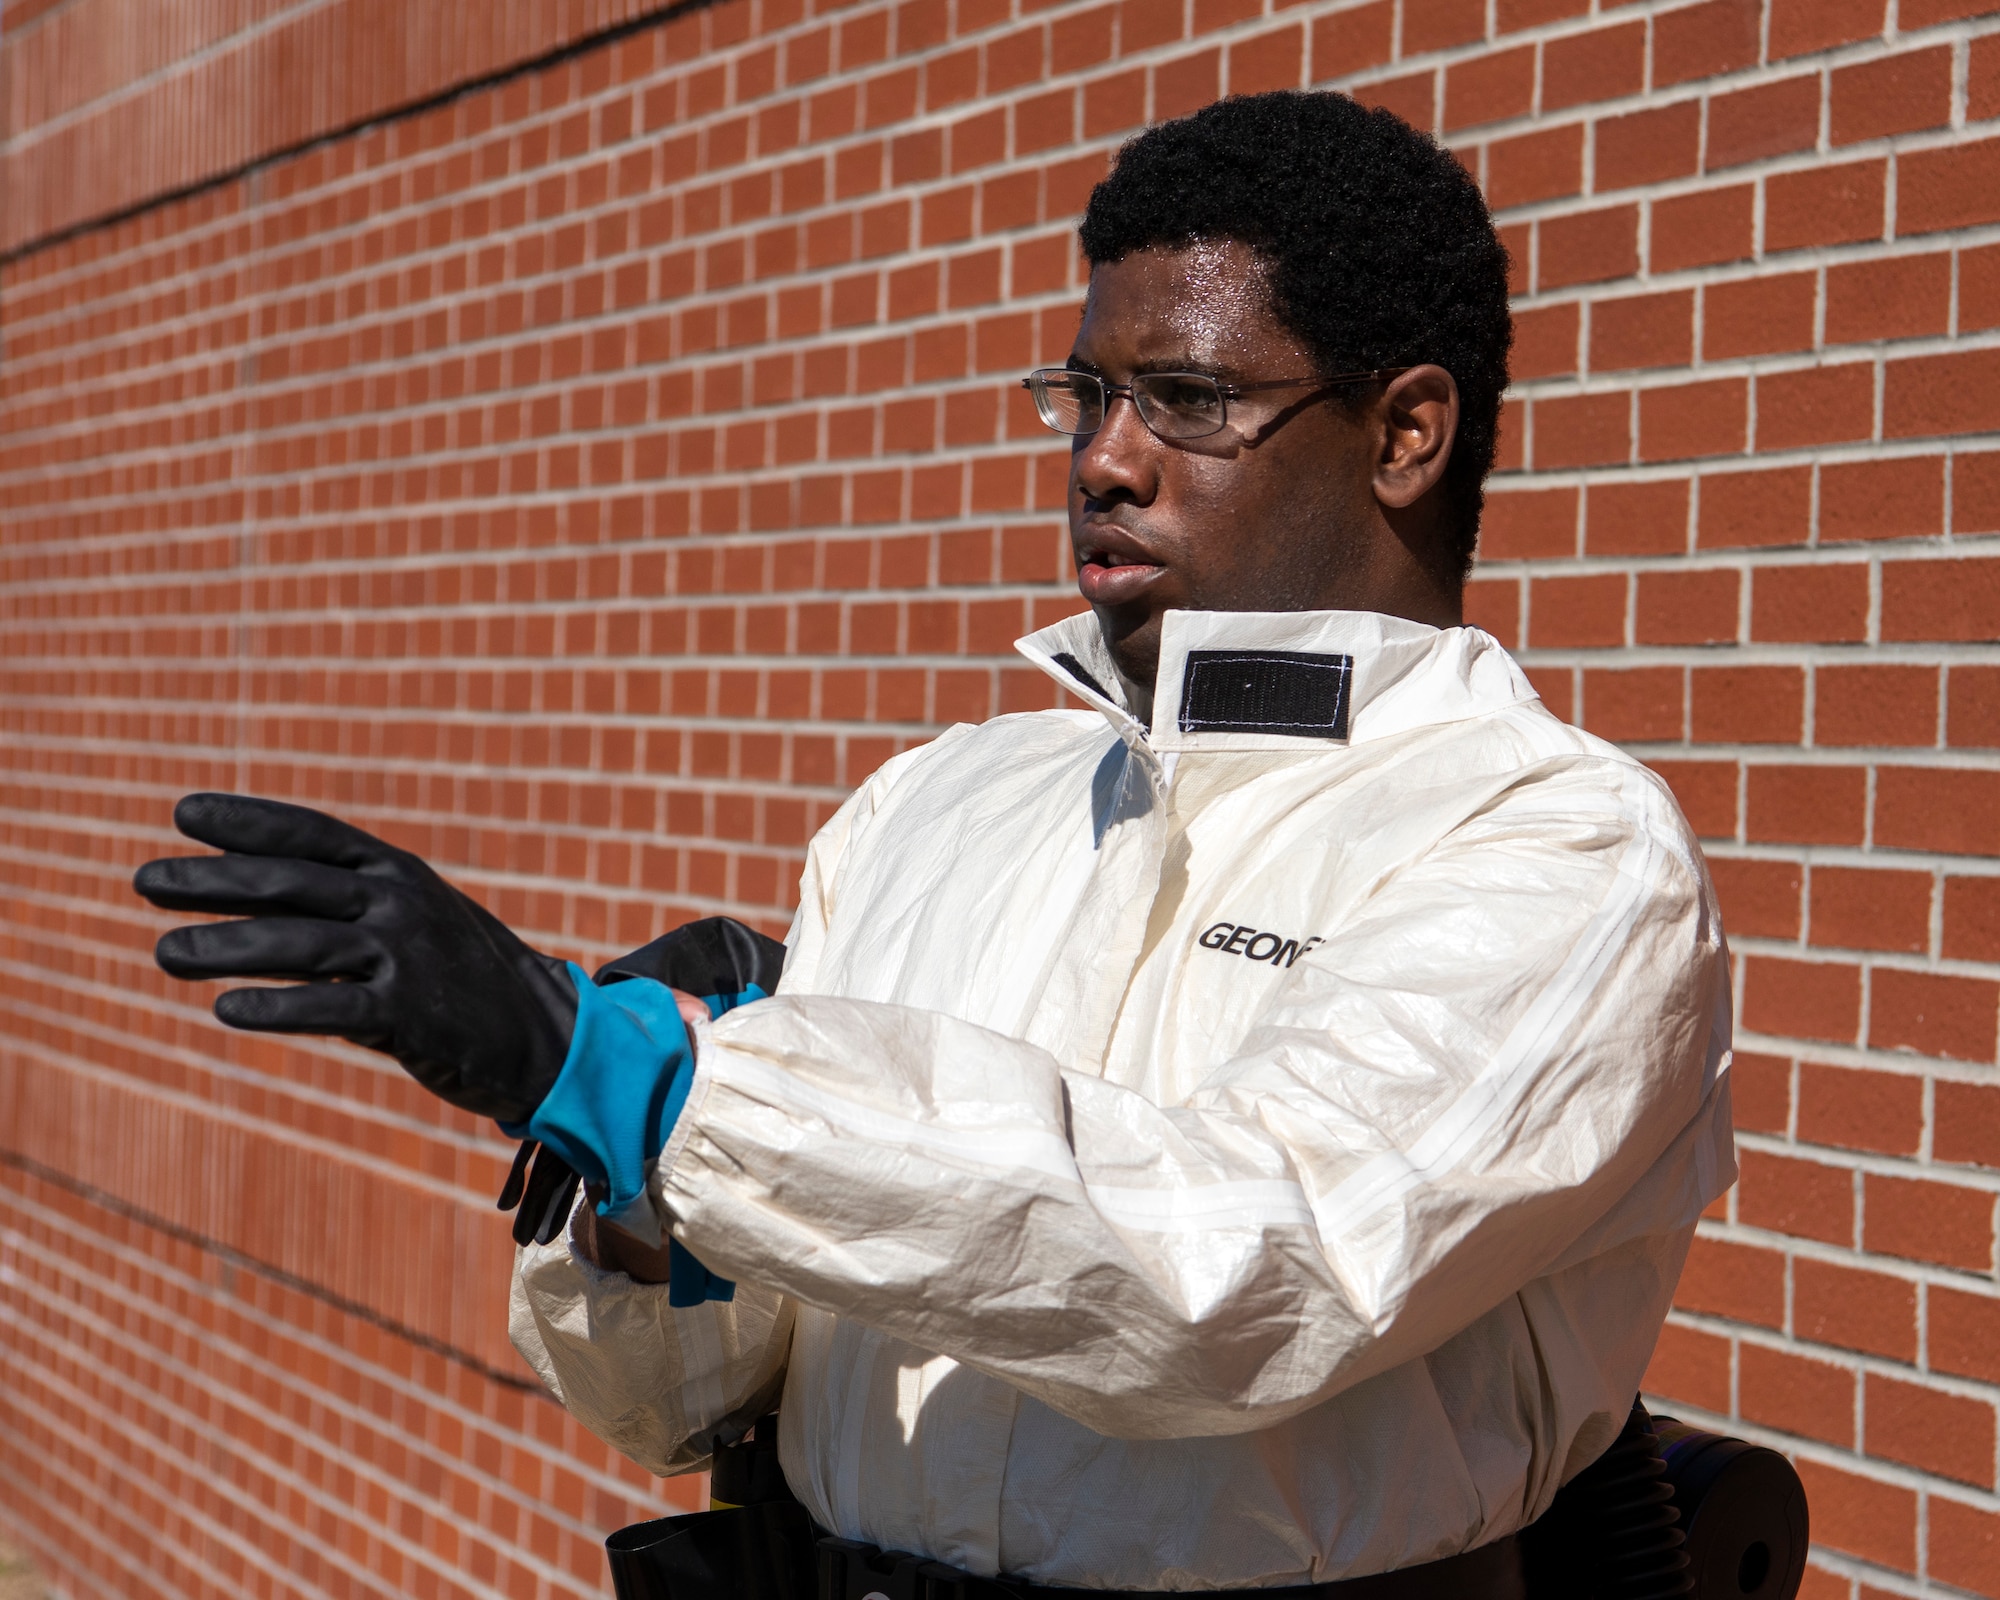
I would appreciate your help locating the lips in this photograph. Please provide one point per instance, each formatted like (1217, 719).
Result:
(1113, 568)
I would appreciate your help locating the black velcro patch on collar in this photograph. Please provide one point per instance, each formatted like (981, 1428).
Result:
(1266, 691)
(1075, 669)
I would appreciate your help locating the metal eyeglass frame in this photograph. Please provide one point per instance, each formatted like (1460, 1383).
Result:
(1225, 392)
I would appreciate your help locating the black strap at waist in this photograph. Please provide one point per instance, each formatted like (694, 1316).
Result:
(850, 1571)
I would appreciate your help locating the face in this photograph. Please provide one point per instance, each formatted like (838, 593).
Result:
(1280, 511)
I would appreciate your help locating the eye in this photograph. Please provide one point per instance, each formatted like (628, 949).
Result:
(1181, 392)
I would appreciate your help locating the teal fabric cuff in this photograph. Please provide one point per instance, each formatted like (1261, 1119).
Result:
(621, 1088)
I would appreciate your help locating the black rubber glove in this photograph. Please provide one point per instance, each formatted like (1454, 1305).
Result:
(389, 955)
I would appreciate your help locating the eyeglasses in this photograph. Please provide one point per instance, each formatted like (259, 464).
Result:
(1175, 405)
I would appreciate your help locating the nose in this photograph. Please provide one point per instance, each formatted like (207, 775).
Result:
(1120, 461)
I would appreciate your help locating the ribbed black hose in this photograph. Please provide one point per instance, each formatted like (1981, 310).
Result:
(1613, 1532)
(1641, 1531)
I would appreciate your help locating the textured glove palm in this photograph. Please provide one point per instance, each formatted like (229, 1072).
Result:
(387, 954)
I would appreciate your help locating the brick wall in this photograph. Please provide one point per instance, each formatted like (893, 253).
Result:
(587, 477)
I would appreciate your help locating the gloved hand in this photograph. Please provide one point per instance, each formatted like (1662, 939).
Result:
(389, 955)
(717, 961)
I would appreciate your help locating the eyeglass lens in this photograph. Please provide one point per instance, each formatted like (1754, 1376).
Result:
(1175, 405)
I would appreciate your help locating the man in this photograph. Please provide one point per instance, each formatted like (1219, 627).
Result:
(1244, 1133)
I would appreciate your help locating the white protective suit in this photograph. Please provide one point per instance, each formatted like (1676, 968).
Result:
(1189, 1159)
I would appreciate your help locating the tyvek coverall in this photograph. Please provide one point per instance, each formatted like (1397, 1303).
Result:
(1097, 1241)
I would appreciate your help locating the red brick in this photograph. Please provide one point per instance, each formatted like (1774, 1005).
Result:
(1964, 1333)
(1543, 165)
(1636, 704)
(1807, 805)
(1703, 40)
(1188, 83)
(1522, 524)
(1556, 687)
(1353, 41)
(1545, 342)
(1490, 88)
(1968, 1121)
(1649, 330)
(1584, 430)
(1975, 493)
(1820, 405)
(1650, 146)
(1694, 607)
(1440, 24)
(1605, 64)
(1824, 205)
(1412, 97)
(1690, 1366)
(1863, 908)
(1941, 395)
(1648, 517)
(1758, 316)
(1953, 599)
(1941, 1433)
(1925, 1221)
(1806, 1199)
(1706, 793)
(1928, 808)
(1796, 1394)
(1765, 507)
(1979, 289)
(1891, 94)
(1861, 1516)
(1514, 15)
(1587, 247)
(1856, 1109)
(1881, 705)
(1576, 613)
(1761, 1092)
(1274, 60)
(1854, 1309)
(1810, 605)
(1760, 899)
(1770, 120)
(1899, 297)
(1972, 919)
(1964, 1540)
(1982, 80)
(1703, 229)
(1798, 27)
(1933, 1013)
(1972, 707)
(1748, 705)
(1954, 187)
(1739, 1281)
(1683, 421)
(1802, 999)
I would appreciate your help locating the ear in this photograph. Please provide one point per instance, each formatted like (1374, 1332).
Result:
(1419, 422)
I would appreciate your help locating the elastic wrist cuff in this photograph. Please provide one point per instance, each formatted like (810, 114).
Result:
(621, 1088)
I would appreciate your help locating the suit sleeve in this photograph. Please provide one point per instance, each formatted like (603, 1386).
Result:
(654, 1381)
(1510, 1059)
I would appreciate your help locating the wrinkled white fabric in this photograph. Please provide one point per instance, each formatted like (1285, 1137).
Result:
(1105, 1244)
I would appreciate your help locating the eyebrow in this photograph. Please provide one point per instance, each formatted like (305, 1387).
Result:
(1221, 374)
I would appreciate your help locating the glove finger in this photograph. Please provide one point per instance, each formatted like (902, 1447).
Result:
(350, 1010)
(269, 947)
(256, 827)
(238, 885)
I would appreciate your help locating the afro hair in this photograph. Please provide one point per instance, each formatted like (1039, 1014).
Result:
(1377, 244)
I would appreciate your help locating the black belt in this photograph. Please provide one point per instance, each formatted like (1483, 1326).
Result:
(773, 1552)
(850, 1571)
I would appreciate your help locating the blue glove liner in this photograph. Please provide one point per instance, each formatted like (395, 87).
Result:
(615, 1103)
